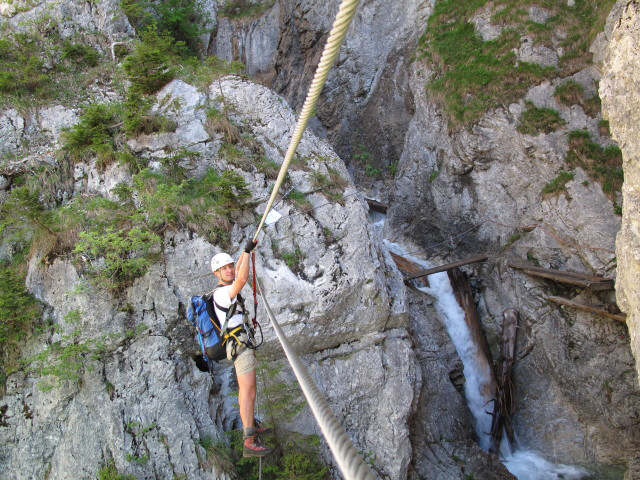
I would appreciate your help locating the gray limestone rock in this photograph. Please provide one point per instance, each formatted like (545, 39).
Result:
(621, 104)
(531, 52)
(482, 23)
(11, 131)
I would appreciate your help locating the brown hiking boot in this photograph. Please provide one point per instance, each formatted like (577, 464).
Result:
(253, 447)
(261, 429)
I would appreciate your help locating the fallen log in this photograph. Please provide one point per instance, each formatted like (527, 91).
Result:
(503, 405)
(377, 206)
(448, 266)
(464, 296)
(407, 266)
(622, 317)
(590, 282)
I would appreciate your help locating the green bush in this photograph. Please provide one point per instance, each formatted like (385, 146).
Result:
(19, 311)
(110, 472)
(299, 200)
(294, 260)
(331, 186)
(181, 19)
(601, 164)
(95, 134)
(535, 120)
(37, 67)
(236, 9)
(125, 253)
(138, 118)
(80, 55)
(153, 62)
(62, 362)
(22, 64)
(203, 205)
(473, 76)
(569, 93)
(558, 184)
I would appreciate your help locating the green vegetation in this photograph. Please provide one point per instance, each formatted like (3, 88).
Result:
(601, 164)
(19, 311)
(153, 62)
(125, 253)
(238, 9)
(37, 66)
(94, 134)
(294, 260)
(536, 120)
(295, 457)
(363, 158)
(603, 128)
(433, 176)
(299, 200)
(473, 76)
(66, 359)
(110, 472)
(114, 242)
(558, 184)
(571, 93)
(331, 186)
(182, 20)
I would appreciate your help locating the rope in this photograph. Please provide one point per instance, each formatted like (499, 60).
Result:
(339, 31)
(350, 463)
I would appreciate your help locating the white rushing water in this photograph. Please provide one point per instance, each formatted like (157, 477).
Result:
(525, 465)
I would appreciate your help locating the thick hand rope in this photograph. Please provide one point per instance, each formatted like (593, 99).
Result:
(339, 31)
(347, 458)
(350, 463)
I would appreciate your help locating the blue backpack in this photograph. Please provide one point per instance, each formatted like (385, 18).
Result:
(211, 336)
(201, 314)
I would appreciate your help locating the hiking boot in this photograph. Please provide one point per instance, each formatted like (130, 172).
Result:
(261, 429)
(253, 447)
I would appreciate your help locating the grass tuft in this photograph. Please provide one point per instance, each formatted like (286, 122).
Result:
(537, 120)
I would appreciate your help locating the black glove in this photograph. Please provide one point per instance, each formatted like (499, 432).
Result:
(250, 245)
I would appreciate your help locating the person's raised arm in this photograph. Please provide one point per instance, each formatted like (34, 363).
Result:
(242, 270)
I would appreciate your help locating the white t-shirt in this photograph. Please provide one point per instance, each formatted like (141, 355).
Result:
(221, 297)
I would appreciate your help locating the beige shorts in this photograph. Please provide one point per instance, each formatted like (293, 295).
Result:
(246, 361)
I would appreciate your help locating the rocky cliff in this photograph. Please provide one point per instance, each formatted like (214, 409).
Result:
(458, 180)
(620, 92)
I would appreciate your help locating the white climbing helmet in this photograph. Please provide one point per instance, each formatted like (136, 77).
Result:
(220, 260)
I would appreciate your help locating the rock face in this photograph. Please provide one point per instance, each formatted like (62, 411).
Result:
(620, 93)
(479, 190)
(367, 100)
(153, 401)
(377, 349)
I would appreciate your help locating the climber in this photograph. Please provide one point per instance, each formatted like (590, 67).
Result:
(231, 279)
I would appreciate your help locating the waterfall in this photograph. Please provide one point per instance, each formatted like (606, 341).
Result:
(525, 465)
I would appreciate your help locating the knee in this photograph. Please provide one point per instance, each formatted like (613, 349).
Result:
(251, 392)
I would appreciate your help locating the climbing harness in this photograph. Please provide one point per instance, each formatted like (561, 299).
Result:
(213, 336)
(249, 328)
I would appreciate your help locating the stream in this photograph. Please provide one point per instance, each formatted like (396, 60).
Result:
(524, 464)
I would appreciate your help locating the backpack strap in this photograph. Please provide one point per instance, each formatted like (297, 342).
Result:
(230, 312)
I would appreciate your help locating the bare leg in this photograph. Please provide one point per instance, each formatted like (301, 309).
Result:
(247, 398)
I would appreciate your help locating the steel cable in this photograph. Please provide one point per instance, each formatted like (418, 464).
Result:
(349, 461)
(345, 14)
